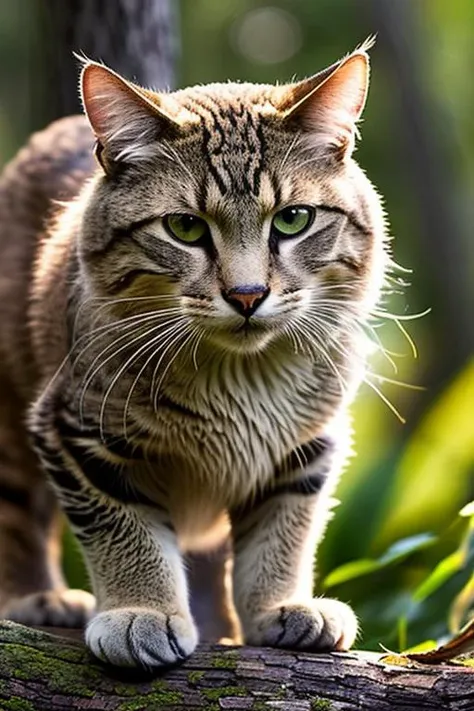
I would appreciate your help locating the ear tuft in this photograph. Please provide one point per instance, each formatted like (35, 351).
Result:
(328, 105)
(124, 119)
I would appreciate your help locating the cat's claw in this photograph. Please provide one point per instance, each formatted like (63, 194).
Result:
(51, 608)
(141, 637)
(323, 625)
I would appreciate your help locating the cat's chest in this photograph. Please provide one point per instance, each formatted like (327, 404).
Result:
(231, 426)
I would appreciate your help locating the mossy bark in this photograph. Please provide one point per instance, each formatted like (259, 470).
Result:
(44, 672)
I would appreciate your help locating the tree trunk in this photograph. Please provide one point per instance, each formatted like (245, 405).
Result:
(42, 672)
(136, 39)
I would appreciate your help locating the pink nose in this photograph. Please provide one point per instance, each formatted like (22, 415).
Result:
(246, 299)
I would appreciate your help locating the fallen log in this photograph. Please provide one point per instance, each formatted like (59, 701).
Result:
(40, 671)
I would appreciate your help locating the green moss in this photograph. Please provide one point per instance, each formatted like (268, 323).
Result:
(135, 705)
(28, 663)
(223, 691)
(226, 660)
(16, 705)
(160, 697)
(160, 685)
(195, 676)
(74, 655)
(124, 689)
(320, 705)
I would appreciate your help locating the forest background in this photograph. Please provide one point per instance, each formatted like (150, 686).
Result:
(398, 547)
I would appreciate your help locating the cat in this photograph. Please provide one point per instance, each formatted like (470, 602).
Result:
(181, 338)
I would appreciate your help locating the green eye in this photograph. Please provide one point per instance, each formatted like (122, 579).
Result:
(187, 228)
(292, 220)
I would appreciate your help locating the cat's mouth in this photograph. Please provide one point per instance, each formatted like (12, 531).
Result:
(249, 328)
(249, 335)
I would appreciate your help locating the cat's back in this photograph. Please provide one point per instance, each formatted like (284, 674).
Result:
(50, 168)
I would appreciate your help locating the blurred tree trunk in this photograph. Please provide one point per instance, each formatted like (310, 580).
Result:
(430, 172)
(135, 38)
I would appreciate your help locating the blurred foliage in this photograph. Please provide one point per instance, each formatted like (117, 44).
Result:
(420, 586)
(397, 548)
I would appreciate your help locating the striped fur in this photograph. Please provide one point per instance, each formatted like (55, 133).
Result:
(164, 418)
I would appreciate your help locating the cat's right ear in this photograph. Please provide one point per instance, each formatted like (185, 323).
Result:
(126, 120)
(327, 106)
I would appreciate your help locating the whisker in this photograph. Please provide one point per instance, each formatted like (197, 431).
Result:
(135, 328)
(172, 155)
(321, 351)
(108, 347)
(89, 378)
(121, 370)
(409, 339)
(288, 153)
(103, 330)
(327, 333)
(111, 301)
(297, 451)
(400, 317)
(188, 339)
(352, 320)
(109, 304)
(385, 399)
(154, 397)
(100, 331)
(196, 347)
(291, 336)
(92, 371)
(143, 368)
(400, 383)
(114, 300)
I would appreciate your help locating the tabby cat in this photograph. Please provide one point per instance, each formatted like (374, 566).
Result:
(180, 339)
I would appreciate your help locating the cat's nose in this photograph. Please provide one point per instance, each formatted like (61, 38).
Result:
(246, 298)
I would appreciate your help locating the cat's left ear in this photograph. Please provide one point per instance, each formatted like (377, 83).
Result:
(328, 105)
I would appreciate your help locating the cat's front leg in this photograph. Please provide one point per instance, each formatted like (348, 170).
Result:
(132, 555)
(275, 539)
(144, 618)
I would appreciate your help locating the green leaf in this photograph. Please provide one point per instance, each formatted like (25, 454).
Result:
(402, 630)
(349, 571)
(425, 646)
(363, 566)
(73, 562)
(443, 571)
(441, 452)
(403, 548)
(461, 605)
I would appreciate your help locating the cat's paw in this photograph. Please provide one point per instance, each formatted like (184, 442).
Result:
(322, 625)
(141, 637)
(51, 608)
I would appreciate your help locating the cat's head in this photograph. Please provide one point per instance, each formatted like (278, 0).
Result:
(238, 206)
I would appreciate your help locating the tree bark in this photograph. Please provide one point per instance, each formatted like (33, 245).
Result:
(44, 672)
(136, 39)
